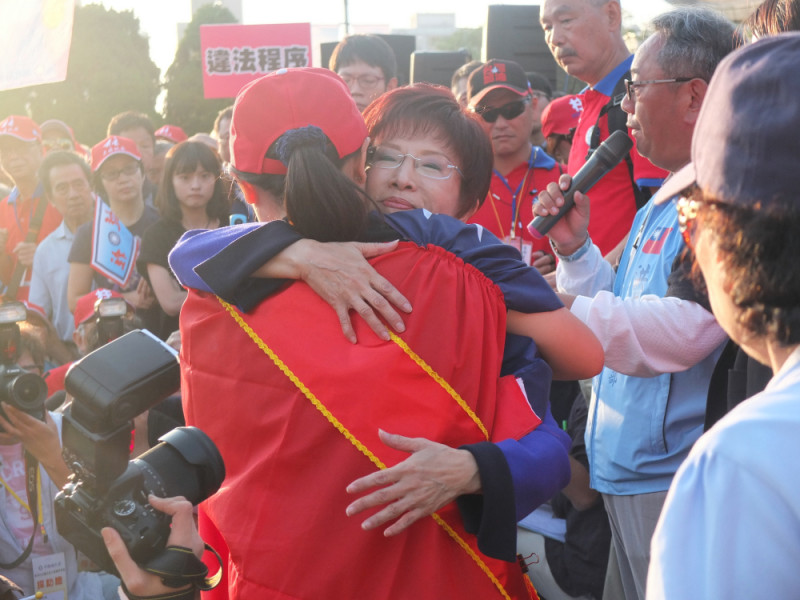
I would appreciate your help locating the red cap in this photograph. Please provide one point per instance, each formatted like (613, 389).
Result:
(561, 115)
(171, 133)
(84, 308)
(110, 146)
(292, 99)
(496, 74)
(22, 128)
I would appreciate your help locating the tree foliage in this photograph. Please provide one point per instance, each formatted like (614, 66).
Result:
(185, 105)
(110, 71)
(466, 39)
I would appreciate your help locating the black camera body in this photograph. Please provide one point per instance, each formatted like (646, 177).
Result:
(110, 386)
(18, 388)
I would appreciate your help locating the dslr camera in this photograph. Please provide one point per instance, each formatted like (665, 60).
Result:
(18, 388)
(109, 387)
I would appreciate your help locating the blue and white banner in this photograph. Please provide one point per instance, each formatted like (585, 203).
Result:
(114, 248)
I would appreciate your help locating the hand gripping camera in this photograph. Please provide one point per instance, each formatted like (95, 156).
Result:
(110, 386)
(18, 388)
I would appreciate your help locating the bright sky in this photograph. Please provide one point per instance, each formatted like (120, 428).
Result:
(159, 18)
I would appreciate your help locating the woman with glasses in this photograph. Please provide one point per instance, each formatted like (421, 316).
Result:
(349, 399)
(191, 196)
(104, 251)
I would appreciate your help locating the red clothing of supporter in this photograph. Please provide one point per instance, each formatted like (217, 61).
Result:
(55, 377)
(291, 446)
(613, 202)
(15, 216)
(510, 202)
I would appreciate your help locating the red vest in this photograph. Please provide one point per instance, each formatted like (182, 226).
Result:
(295, 410)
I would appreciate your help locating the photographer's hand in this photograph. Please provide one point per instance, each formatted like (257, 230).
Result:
(40, 439)
(183, 533)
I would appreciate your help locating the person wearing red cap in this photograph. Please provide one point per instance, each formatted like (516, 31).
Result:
(171, 133)
(301, 153)
(559, 120)
(500, 94)
(104, 251)
(26, 217)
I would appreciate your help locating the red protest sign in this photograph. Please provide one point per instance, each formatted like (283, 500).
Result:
(234, 55)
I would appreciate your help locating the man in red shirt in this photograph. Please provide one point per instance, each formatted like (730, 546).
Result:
(585, 38)
(499, 92)
(26, 217)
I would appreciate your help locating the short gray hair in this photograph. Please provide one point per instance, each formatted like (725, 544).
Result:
(696, 39)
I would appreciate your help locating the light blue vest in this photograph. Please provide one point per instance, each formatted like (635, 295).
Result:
(640, 429)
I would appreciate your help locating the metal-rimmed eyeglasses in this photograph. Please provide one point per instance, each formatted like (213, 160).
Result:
(630, 86)
(434, 166)
(365, 82)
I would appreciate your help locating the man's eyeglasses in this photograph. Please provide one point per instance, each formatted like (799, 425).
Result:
(79, 185)
(508, 111)
(435, 166)
(365, 82)
(114, 175)
(630, 86)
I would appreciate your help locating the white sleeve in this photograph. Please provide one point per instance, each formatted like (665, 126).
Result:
(585, 275)
(724, 532)
(38, 293)
(648, 336)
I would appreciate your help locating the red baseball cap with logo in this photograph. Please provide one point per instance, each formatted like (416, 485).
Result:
(292, 99)
(110, 146)
(84, 308)
(561, 115)
(496, 74)
(22, 128)
(171, 133)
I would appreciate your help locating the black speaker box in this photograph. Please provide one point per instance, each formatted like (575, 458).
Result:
(436, 67)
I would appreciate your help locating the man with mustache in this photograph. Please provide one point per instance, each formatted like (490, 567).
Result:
(585, 38)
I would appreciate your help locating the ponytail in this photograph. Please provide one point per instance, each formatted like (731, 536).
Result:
(322, 203)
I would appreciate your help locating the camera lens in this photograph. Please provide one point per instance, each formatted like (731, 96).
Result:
(27, 392)
(185, 463)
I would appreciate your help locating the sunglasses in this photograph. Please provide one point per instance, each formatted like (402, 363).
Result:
(508, 111)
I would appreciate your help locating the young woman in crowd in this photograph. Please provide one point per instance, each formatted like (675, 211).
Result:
(104, 252)
(191, 196)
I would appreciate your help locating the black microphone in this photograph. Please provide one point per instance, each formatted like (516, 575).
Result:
(607, 156)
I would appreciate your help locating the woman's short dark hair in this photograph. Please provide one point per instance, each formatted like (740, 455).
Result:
(185, 158)
(423, 108)
(757, 247)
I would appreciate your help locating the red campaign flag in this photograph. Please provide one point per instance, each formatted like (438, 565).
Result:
(36, 41)
(234, 55)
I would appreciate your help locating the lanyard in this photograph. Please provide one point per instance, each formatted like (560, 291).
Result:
(25, 504)
(516, 200)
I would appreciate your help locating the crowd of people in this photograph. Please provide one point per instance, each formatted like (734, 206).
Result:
(396, 369)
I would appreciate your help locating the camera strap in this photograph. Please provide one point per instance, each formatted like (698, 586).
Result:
(32, 487)
(178, 566)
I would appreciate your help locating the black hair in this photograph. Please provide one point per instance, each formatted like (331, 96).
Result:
(131, 120)
(185, 158)
(367, 48)
(61, 158)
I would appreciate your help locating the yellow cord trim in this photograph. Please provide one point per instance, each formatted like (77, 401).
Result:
(471, 553)
(438, 379)
(299, 384)
(353, 440)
